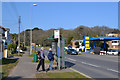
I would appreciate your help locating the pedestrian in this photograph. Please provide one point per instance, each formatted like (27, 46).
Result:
(51, 58)
(42, 58)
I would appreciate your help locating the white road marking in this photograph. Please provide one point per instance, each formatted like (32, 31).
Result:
(90, 64)
(93, 66)
(71, 59)
(113, 70)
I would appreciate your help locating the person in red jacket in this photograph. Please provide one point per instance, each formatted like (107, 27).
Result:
(42, 58)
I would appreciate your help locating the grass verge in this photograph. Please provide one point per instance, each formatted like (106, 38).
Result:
(46, 61)
(32, 55)
(63, 75)
(7, 66)
(16, 54)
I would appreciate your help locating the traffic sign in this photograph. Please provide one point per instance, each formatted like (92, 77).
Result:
(56, 34)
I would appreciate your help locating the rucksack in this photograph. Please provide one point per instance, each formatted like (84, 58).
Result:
(39, 55)
(49, 56)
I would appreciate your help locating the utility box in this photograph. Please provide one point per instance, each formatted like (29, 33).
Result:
(35, 57)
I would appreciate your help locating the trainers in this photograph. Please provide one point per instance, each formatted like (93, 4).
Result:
(37, 70)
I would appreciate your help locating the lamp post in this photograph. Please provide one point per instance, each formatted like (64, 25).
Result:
(31, 30)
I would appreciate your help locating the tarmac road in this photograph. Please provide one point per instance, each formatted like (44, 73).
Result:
(95, 66)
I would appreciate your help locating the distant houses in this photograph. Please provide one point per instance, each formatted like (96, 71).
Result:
(113, 44)
(5, 40)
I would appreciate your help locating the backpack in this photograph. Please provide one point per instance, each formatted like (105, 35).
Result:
(49, 56)
(39, 55)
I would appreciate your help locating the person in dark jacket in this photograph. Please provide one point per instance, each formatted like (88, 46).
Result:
(51, 60)
(41, 60)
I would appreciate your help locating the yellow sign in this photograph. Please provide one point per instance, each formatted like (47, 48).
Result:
(87, 42)
(86, 38)
(87, 45)
(87, 48)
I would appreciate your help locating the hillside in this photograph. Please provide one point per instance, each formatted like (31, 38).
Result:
(39, 35)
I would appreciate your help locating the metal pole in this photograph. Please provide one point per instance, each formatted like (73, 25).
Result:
(24, 38)
(94, 44)
(1, 46)
(31, 33)
(19, 38)
(59, 53)
(104, 44)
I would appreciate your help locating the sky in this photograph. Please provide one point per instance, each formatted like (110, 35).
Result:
(67, 15)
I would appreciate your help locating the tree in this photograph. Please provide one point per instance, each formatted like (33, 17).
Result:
(69, 40)
(36, 28)
(77, 44)
(12, 47)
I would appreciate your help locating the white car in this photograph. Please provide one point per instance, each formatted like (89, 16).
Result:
(103, 51)
(20, 51)
(113, 52)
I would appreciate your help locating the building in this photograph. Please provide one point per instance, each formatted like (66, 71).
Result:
(5, 40)
(113, 34)
(113, 44)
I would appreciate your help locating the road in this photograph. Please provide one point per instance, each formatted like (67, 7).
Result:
(95, 66)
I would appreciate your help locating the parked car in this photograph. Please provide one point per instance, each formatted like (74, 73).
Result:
(113, 52)
(19, 51)
(65, 48)
(103, 51)
(72, 51)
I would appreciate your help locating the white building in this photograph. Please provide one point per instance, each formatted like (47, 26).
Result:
(5, 40)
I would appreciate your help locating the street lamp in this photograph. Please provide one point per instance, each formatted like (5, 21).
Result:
(31, 29)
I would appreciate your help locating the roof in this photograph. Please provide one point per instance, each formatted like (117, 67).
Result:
(104, 38)
(6, 29)
(52, 38)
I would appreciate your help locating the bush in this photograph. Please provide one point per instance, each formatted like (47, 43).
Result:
(24, 48)
(12, 47)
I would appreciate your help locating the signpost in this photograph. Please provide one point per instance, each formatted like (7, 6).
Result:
(87, 43)
(57, 35)
(1, 46)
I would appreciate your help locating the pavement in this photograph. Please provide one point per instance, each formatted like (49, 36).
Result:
(24, 69)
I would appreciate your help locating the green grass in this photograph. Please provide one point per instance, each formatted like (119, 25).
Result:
(15, 54)
(32, 55)
(8, 65)
(63, 75)
(46, 61)
(45, 47)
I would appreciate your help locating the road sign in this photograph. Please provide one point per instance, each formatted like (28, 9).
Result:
(56, 34)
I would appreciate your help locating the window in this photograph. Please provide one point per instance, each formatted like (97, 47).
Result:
(114, 41)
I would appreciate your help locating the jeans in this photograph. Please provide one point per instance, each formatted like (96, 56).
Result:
(51, 64)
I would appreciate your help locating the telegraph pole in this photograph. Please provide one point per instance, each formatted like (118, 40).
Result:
(24, 38)
(19, 37)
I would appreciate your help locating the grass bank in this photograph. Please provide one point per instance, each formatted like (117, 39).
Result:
(16, 54)
(7, 66)
(46, 61)
(63, 75)
(33, 52)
